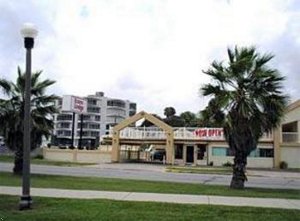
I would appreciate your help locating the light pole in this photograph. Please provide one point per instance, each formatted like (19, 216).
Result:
(29, 33)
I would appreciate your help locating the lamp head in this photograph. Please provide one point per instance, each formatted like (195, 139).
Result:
(29, 31)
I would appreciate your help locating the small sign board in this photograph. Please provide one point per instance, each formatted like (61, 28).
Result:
(74, 104)
(210, 133)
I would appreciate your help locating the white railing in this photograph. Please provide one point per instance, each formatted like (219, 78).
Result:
(290, 137)
(143, 133)
(155, 133)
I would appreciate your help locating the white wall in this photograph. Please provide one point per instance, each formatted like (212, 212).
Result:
(291, 155)
(252, 162)
(82, 156)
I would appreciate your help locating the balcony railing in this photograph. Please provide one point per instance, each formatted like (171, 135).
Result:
(152, 133)
(290, 137)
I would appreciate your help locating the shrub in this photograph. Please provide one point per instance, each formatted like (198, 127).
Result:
(227, 164)
(211, 163)
(49, 145)
(39, 156)
(283, 165)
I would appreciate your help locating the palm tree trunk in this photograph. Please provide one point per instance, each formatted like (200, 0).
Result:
(18, 167)
(239, 177)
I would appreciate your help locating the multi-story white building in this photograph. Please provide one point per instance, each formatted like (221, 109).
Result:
(102, 113)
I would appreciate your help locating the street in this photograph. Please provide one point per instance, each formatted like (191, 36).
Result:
(264, 179)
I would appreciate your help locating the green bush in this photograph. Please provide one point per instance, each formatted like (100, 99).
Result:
(39, 156)
(283, 165)
(227, 164)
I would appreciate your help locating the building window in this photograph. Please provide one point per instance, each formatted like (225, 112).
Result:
(179, 151)
(92, 101)
(116, 103)
(93, 109)
(132, 106)
(64, 117)
(84, 125)
(219, 151)
(262, 152)
(86, 117)
(94, 134)
(97, 118)
(63, 125)
(94, 126)
(201, 152)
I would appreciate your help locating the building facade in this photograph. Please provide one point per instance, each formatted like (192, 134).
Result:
(207, 146)
(102, 113)
(287, 144)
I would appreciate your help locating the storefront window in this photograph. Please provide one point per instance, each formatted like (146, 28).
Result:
(179, 151)
(219, 151)
(201, 152)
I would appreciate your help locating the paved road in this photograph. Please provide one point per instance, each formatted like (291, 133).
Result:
(263, 179)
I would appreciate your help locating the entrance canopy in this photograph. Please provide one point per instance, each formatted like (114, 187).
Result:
(143, 115)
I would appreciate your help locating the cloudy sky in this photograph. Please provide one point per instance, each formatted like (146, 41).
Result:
(151, 52)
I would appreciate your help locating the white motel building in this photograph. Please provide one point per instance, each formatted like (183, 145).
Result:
(179, 146)
(207, 146)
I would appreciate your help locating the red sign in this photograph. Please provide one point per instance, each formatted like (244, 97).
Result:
(209, 132)
(79, 104)
(74, 104)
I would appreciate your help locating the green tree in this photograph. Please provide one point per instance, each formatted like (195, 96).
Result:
(190, 119)
(172, 119)
(169, 112)
(12, 112)
(247, 100)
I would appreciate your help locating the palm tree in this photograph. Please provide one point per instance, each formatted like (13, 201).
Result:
(12, 112)
(171, 118)
(247, 100)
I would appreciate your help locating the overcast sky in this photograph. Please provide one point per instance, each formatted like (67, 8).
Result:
(151, 52)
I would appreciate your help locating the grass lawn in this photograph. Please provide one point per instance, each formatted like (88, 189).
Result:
(10, 159)
(47, 209)
(111, 184)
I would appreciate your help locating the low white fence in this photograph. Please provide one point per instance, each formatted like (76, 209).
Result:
(81, 156)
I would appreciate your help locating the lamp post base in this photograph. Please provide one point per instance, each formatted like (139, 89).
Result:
(25, 203)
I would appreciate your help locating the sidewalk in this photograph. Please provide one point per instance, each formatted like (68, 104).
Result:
(157, 197)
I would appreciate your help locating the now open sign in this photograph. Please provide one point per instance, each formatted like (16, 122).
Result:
(210, 133)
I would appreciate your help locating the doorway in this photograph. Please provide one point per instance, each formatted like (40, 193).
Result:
(190, 154)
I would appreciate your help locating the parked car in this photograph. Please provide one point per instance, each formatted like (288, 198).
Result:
(158, 154)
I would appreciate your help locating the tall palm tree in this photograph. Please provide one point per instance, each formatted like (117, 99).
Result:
(12, 112)
(247, 100)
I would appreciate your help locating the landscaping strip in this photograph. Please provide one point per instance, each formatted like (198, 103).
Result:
(113, 184)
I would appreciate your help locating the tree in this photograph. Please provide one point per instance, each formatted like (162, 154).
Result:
(12, 112)
(247, 100)
(171, 119)
(169, 112)
(190, 119)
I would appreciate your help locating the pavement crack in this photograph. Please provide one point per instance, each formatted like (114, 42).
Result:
(124, 197)
(209, 180)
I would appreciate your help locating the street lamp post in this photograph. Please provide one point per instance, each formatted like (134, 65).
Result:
(29, 33)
